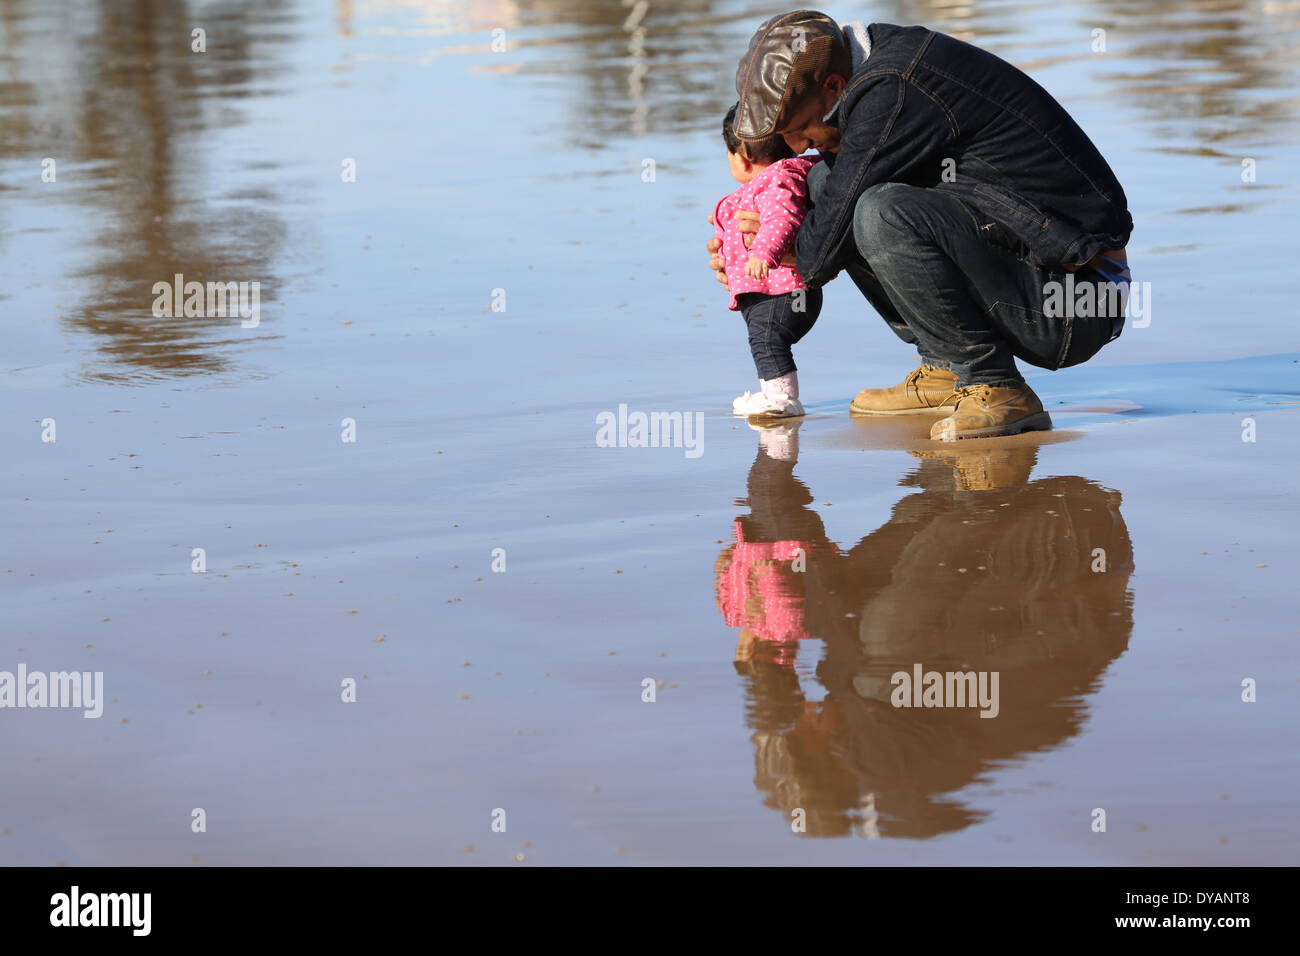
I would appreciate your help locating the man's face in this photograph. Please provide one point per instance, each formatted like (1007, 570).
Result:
(806, 129)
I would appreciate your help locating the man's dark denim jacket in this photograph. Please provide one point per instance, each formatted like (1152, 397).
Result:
(922, 97)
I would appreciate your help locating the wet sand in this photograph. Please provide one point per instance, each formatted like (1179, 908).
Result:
(522, 688)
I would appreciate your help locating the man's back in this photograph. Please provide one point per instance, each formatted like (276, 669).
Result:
(930, 110)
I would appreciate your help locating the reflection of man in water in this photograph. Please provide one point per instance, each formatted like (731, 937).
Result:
(980, 570)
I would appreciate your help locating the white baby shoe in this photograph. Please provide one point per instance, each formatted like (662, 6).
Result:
(749, 403)
(776, 406)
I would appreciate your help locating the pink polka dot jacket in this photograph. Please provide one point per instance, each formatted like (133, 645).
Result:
(780, 196)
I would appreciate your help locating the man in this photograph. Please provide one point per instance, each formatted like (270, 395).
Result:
(958, 195)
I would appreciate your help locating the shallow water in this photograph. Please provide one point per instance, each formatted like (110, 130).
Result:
(478, 689)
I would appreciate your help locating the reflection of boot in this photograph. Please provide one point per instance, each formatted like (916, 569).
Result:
(979, 469)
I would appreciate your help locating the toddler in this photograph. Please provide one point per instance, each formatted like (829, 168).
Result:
(778, 308)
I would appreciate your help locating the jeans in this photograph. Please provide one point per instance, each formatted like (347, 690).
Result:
(959, 287)
(775, 323)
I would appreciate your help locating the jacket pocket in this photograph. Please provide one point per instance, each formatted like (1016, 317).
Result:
(1012, 204)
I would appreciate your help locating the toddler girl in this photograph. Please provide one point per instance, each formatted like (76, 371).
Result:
(778, 308)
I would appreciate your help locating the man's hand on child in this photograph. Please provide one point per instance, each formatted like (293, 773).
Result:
(747, 223)
(716, 262)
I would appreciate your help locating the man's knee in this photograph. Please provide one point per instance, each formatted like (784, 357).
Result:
(890, 216)
(876, 220)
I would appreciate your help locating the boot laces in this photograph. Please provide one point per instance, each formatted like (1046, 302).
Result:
(973, 391)
(914, 377)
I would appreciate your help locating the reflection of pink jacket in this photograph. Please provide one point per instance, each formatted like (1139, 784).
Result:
(780, 196)
(777, 611)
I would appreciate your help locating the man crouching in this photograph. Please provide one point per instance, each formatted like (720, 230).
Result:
(958, 195)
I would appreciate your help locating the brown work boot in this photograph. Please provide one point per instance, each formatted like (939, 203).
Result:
(926, 389)
(985, 410)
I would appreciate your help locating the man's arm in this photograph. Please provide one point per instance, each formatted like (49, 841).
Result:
(892, 131)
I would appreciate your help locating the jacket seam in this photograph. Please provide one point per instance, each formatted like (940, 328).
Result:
(1031, 124)
(916, 57)
(935, 97)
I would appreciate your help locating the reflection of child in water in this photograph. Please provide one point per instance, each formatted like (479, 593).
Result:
(761, 587)
(756, 592)
(853, 761)
(760, 578)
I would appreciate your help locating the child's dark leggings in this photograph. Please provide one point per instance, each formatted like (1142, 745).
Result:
(775, 323)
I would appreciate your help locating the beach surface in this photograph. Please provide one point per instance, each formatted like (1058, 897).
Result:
(468, 259)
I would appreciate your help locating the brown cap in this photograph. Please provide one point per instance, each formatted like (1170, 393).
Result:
(789, 56)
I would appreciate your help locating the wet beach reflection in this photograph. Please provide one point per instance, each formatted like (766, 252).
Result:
(117, 95)
(980, 568)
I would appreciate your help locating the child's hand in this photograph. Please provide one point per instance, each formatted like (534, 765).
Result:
(755, 268)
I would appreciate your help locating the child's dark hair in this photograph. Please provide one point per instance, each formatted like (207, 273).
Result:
(764, 151)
